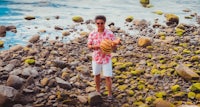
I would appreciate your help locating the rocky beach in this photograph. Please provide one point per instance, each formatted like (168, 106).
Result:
(157, 67)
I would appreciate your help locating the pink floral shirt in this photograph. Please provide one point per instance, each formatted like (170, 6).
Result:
(95, 39)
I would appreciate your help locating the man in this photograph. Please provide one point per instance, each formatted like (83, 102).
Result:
(100, 60)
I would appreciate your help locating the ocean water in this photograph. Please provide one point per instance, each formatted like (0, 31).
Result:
(12, 12)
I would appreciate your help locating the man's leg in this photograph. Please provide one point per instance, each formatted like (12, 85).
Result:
(97, 80)
(96, 72)
(109, 85)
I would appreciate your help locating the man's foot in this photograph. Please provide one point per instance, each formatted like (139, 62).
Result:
(110, 98)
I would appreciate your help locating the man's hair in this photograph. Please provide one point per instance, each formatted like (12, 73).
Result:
(102, 17)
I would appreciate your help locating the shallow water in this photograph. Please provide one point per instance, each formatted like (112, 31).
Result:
(12, 12)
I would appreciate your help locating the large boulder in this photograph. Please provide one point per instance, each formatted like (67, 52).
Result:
(6, 93)
(171, 19)
(186, 72)
(2, 31)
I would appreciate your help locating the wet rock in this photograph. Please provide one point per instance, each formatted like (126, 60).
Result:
(63, 84)
(94, 98)
(2, 31)
(14, 81)
(58, 28)
(29, 17)
(34, 38)
(172, 20)
(1, 43)
(129, 18)
(9, 28)
(6, 93)
(186, 72)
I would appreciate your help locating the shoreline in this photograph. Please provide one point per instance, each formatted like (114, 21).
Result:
(47, 73)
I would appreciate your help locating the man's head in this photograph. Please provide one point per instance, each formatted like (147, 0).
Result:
(100, 21)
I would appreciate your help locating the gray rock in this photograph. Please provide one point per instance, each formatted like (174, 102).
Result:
(9, 67)
(34, 38)
(59, 64)
(30, 72)
(16, 48)
(18, 105)
(6, 92)
(16, 72)
(63, 84)
(14, 81)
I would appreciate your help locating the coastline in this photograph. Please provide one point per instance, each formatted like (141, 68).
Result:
(60, 73)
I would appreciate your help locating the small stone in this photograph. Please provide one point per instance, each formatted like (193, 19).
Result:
(44, 81)
(29, 17)
(82, 99)
(34, 38)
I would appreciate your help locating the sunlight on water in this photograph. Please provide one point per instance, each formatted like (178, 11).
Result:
(12, 12)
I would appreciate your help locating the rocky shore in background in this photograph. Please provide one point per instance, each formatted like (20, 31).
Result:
(159, 67)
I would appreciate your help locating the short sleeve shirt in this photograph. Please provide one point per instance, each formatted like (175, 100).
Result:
(95, 39)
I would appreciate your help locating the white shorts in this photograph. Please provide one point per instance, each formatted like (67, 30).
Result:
(106, 68)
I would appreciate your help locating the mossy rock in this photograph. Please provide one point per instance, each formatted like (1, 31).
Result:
(197, 97)
(149, 47)
(144, 1)
(77, 19)
(178, 57)
(129, 18)
(149, 99)
(138, 103)
(194, 58)
(149, 56)
(30, 61)
(163, 66)
(162, 37)
(185, 45)
(114, 60)
(1, 44)
(122, 87)
(195, 87)
(126, 105)
(172, 64)
(191, 95)
(186, 51)
(141, 87)
(160, 94)
(155, 71)
(179, 32)
(188, 17)
(172, 19)
(130, 92)
(149, 6)
(175, 88)
(197, 52)
(158, 12)
(143, 105)
(179, 94)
